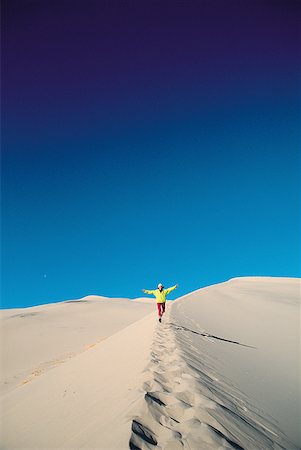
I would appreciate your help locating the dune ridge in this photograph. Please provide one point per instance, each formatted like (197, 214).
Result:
(189, 401)
(186, 406)
(86, 400)
(216, 373)
(38, 338)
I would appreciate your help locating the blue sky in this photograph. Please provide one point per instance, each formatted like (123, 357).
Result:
(147, 144)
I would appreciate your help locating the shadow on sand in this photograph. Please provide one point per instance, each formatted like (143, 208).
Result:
(76, 301)
(180, 327)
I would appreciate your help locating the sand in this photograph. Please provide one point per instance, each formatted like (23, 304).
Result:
(71, 372)
(220, 371)
(225, 369)
(38, 338)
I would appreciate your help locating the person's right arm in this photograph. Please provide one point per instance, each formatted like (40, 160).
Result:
(147, 291)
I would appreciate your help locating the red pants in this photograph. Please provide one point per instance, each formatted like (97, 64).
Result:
(161, 309)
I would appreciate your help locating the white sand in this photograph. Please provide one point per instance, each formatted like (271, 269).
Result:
(38, 338)
(221, 371)
(208, 390)
(65, 383)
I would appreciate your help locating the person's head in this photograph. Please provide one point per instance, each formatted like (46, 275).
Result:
(160, 287)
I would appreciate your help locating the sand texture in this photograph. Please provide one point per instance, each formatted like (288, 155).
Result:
(222, 370)
(78, 373)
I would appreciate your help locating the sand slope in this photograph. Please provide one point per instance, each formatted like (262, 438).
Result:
(39, 338)
(224, 370)
(221, 371)
(82, 400)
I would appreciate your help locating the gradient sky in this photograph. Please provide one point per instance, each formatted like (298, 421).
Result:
(147, 141)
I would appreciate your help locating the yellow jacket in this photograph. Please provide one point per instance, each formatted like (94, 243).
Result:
(160, 296)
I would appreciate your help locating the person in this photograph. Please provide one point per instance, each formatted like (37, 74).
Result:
(160, 295)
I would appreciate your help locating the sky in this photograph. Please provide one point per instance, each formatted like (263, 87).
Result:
(147, 142)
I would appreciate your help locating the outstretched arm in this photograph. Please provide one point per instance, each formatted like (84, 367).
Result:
(168, 290)
(147, 291)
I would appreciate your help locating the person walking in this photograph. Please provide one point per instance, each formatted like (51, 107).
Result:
(160, 295)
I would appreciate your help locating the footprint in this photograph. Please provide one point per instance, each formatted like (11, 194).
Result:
(186, 397)
(143, 432)
(152, 397)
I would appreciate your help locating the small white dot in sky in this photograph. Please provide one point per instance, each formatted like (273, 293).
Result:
(45, 275)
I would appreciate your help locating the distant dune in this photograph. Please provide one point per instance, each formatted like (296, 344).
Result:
(38, 338)
(220, 371)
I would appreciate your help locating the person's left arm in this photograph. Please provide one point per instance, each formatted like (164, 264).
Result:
(168, 290)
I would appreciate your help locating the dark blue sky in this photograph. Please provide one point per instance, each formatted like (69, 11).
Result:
(147, 141)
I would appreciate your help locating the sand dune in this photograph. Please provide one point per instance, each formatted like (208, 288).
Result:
(221, 371)
(39, 338)
(224, 370)
(79, 401)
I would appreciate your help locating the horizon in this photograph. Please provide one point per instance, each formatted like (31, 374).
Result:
(146, 143)
(151, 297)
